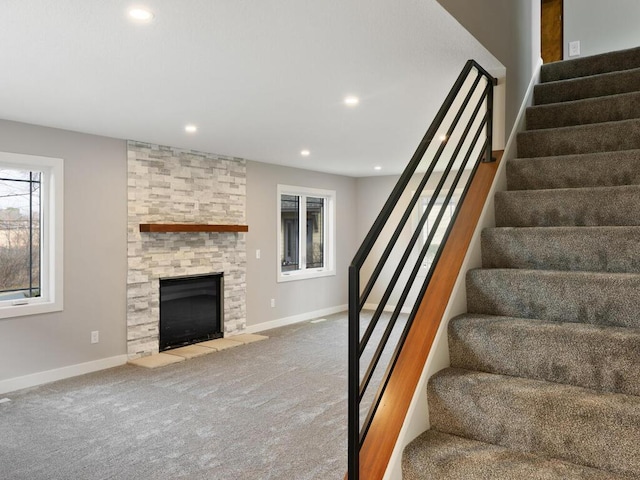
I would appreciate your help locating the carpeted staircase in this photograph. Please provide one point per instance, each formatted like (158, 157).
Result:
(545, 368)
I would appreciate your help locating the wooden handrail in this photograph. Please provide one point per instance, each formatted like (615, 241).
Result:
(387, 423)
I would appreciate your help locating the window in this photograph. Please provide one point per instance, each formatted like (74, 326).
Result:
(306, 218)
(30, 234)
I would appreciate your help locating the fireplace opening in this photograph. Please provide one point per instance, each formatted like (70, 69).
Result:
(191, 309)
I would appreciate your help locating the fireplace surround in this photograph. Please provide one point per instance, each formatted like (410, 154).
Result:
(174, 186)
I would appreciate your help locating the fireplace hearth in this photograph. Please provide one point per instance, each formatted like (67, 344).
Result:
(191, 309)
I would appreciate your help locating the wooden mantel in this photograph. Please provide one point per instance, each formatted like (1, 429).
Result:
(190, 227)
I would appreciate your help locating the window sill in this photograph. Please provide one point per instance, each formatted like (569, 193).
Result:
(306, 275)
(32, 308)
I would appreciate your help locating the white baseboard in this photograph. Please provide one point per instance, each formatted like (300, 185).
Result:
(303, 317)
(48, 376)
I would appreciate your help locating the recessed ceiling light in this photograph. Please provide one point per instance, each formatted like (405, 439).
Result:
(305, 153)
(191, 129)
(140, 14)
(351, 101)
(443, 138)
(377, 167)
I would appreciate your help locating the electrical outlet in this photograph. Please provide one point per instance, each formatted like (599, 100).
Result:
(273, 302)
(258, 254)
(574, 48)
(95, 336)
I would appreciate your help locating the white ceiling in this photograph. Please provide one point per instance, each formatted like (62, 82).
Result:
(261, 79)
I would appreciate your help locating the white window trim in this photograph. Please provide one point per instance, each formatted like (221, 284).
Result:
(330, 234)
(52, 209)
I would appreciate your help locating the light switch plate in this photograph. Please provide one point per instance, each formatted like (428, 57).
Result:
(574, 48)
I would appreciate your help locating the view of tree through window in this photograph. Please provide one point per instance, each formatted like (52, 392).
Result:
(20, 225)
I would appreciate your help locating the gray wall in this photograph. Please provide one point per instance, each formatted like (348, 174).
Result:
(601, 26)
(300, 296)
(510, 30)
(95, 249)
(95, 255)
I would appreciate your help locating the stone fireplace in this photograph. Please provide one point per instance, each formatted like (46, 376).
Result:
(168, 185)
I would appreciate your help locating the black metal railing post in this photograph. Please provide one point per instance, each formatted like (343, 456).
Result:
(353, 427)
(492, 82)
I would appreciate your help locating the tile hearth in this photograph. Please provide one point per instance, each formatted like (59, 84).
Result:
(181, 354)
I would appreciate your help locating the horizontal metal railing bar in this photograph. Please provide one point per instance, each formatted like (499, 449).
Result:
(389, 290)
(403, 220)
(416, 268)
(387, 375)
(356, 301)
(446, 235)
(416, 234)
(396, 193)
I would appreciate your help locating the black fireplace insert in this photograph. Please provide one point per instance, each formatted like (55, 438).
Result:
(191, 309)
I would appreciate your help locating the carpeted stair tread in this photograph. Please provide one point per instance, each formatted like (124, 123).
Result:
(600, 137)
(591, 65)
(590, 206)
(587, 87)
(589, 356)
(598, 249)
(578, 425)
(581, 112)
(571, 171)
(559, 296)
(435, 456)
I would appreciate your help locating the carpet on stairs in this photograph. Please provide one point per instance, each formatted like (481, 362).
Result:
(544, 377)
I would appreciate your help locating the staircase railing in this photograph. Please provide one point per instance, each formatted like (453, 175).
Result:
(459, 138)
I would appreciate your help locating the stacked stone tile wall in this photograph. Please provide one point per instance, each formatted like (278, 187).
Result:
(168, 185)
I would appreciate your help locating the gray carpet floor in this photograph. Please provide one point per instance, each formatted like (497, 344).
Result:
(269, 410)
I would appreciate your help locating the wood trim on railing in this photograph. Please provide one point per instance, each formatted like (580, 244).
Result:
(387, 423)
(190, 227)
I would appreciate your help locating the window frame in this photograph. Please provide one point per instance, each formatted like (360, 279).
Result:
(329, 267)
(51, 235)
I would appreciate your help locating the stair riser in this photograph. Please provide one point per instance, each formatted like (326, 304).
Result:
(437, 456)
(599, 431)
(597, 299)
(592, 65)
(589, 87)
(573, 171)
(609, 206)
(595, 249)
(571, 354)
(604, 137)
(607, 109)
